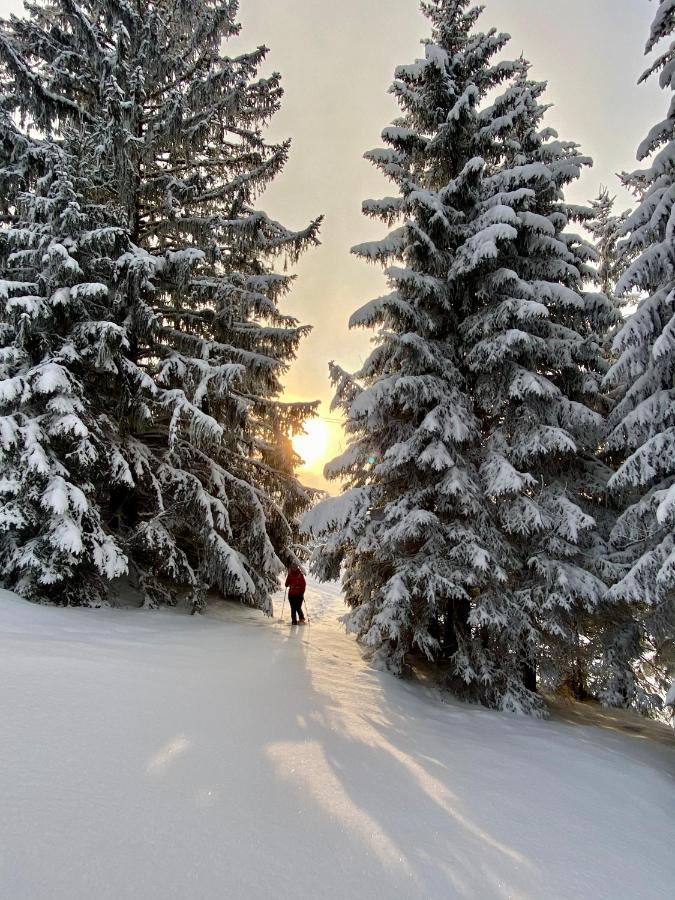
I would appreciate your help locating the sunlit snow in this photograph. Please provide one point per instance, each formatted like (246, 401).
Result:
(152, 755)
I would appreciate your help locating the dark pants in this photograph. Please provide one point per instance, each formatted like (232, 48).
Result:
(296, 609)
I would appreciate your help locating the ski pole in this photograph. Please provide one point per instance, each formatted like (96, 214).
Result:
(283, 605)
(309, 626)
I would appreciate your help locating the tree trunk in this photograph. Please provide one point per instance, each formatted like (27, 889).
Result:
(530, 676)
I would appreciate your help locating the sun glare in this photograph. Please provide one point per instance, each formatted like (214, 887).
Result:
(313, 446)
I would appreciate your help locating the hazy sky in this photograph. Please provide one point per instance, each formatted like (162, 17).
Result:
(337, 60)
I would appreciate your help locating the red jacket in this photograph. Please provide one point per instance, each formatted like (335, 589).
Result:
(296, 583)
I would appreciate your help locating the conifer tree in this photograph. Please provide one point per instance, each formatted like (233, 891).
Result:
(462, 531)
(605, 227)
(138, 275)
(533, 347)
(643, 422)
(54, 540)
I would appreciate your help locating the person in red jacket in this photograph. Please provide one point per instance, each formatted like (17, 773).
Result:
(295, 582)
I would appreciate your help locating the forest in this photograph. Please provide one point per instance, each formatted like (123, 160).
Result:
(505, 502)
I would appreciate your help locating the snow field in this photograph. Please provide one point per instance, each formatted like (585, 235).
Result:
(148, 755)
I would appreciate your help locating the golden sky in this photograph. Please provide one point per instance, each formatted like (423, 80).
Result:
(337, 60)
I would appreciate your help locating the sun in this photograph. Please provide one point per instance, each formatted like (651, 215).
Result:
(313, 445)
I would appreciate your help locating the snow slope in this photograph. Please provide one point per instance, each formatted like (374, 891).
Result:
(150, 755)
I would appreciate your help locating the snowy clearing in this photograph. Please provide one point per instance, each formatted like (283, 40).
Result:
(148, 755)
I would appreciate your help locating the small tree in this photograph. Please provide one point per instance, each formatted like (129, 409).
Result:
(177, 343)
(605, 227)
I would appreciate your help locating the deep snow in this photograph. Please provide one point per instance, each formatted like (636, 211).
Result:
(152, 755)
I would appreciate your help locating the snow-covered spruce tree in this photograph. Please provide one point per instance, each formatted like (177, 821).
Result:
(137, 273)
(533, 346)
(53, 541)
(459, 530)
(605, 228)
(643, 435)
(413, 528)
